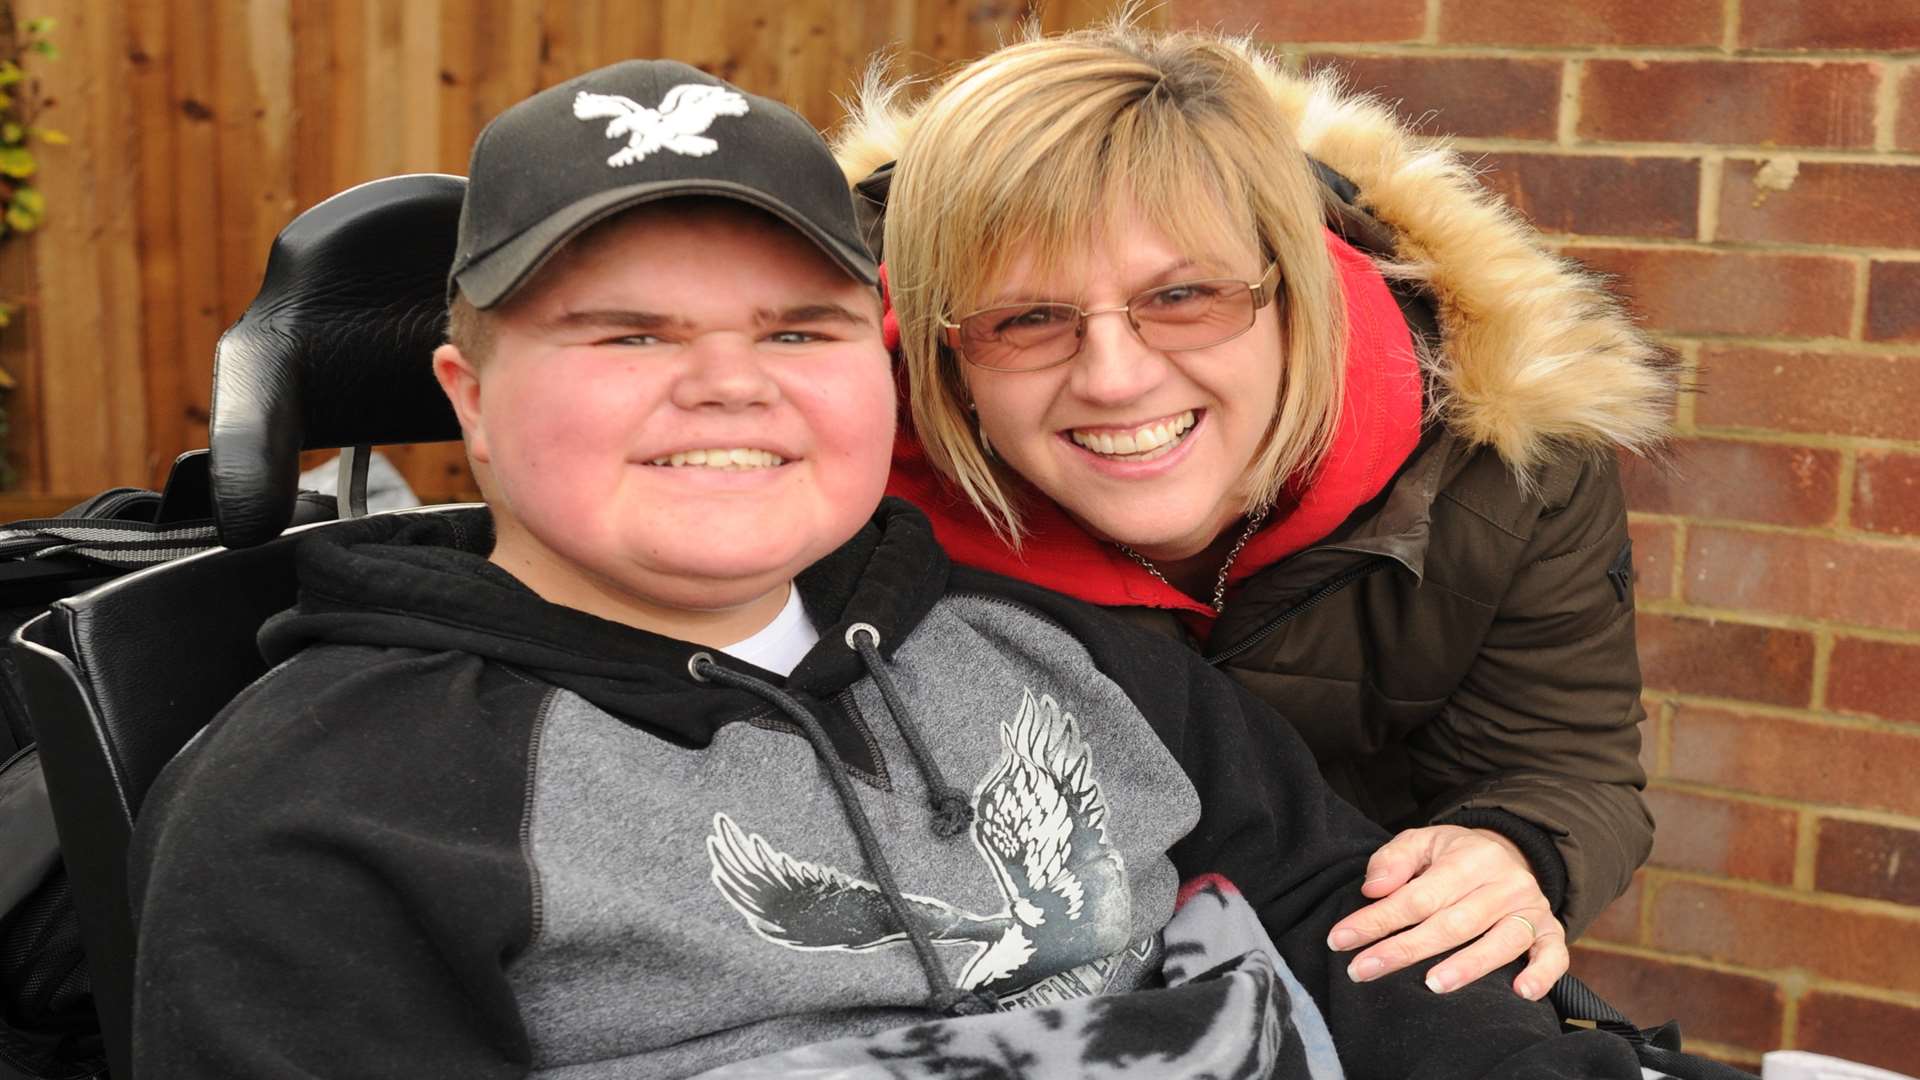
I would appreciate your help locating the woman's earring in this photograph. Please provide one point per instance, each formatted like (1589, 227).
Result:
(980, 432)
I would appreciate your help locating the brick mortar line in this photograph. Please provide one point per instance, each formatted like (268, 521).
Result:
(1678, 584)
(1469, 50)
(1853, 815)
(1778, 976)
(1571, 243)
(1831, 902)
(1862, 281)
(1817, 155)
(1831, 719)
(1878, 541)
(1844, 480)
(1886, 101)
(1573, 74)
(1776, 621)
(1649, 888)
(1575, 241)
(1803, 850)
(1663, 739)
(1826, 343)
(1813, 440)
(1822, 660)
(1908, 72)
(1769, 437)
(1730, 27)
(1685, 418)
(1430, 26)
(1713, 170)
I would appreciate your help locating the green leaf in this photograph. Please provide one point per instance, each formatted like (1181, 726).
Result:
(51, 136)
(42, 25)
(10, 73)
(11, 132)
(17, 161)
(46, 48)
(30, 200)
(6, 315)
(22, 221)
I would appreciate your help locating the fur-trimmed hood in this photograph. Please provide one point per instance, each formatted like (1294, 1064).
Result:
(1536, 357)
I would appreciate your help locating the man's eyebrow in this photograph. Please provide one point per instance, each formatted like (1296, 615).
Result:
(614, 319)
(811, 313)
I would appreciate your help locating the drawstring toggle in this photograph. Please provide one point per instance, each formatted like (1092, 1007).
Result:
(952, 813)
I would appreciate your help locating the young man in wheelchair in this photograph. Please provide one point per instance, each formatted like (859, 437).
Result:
(693, 756)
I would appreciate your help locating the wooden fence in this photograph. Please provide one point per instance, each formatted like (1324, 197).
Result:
(200, 127)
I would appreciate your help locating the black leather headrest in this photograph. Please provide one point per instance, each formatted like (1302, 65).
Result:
(335, 350)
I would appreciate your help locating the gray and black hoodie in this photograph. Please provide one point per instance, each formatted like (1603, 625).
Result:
(461, 831)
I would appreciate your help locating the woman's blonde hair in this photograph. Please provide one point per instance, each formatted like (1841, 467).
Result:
(1024, 152)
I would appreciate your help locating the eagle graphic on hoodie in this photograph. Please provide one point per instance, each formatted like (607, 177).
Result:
(1039, 824)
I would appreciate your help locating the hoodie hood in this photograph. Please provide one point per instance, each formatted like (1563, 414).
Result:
(1536, 359)
(422, 581)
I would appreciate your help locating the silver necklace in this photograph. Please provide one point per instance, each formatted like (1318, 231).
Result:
(1220, 581)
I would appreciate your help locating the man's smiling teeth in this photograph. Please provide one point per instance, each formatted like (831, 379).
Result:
(737, 458)
(1142, 440)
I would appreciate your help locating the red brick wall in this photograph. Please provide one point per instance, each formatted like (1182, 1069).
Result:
(1750, 169)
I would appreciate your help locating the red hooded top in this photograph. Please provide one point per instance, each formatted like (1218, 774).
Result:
(1379, 426)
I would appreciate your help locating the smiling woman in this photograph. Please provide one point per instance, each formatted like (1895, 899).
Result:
(1196, 339)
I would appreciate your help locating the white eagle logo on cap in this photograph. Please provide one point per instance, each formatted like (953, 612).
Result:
(684, 113)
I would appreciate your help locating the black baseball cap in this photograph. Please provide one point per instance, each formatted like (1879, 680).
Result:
(574, 154)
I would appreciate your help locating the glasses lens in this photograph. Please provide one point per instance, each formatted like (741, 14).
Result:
(1020, 336)
(1193, 314)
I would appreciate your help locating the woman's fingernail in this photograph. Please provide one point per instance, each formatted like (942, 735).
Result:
(1342, 940)
(1364, 969)
(1524, 989)
(1438, 983)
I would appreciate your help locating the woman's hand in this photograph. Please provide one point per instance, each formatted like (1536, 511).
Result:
(1451, 885)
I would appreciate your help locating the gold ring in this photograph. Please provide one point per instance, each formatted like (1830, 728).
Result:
(1533, 932)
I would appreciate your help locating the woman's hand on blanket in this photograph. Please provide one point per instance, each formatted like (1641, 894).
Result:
(1443, 886)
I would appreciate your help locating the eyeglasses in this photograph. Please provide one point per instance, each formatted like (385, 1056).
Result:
(1184, 315)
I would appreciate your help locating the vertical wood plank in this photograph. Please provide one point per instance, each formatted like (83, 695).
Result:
(381, 118)
(317, 70)
(198, 214)
(20, 354)
(149, 60)
(419, 105)
(628, 30)
(459, 69)
(93, 394)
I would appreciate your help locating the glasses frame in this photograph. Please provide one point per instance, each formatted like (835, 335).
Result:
(1264, 292)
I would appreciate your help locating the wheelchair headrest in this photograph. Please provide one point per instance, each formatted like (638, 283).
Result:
(335, 350)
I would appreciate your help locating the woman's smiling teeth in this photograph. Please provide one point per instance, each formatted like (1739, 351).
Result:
(737, 458)
(1141, 444)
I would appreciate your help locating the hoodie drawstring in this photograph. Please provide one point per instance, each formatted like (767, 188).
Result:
(952, 810)
(946, 998)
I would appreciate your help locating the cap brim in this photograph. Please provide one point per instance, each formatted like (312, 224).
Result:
(492, 278)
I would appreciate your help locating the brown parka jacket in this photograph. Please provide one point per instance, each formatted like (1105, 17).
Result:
(1462, 645)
